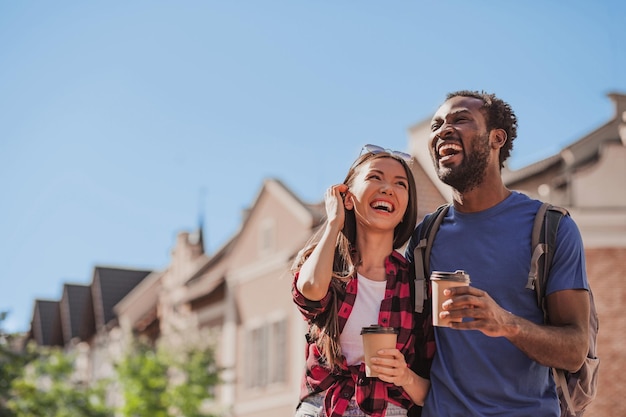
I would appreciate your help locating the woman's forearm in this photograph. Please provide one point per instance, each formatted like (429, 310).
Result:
(316, 271)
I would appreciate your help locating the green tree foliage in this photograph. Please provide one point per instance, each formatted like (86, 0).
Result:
(172, 380)
(143, 380)
(165, 381)
(199, 376)
(12, 363)
(47, 388)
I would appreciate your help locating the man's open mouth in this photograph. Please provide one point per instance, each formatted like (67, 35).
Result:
(448, 150)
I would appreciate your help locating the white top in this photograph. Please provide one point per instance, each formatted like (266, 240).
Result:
(364, 313)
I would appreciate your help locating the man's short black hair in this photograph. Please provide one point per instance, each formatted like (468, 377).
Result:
(498, 115)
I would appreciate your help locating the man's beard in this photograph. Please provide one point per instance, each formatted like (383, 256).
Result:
(472, 170)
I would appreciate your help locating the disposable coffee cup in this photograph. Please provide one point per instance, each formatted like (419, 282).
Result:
(440, 281)
(376, 338)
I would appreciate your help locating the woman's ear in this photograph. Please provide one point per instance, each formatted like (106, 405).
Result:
(348, 203)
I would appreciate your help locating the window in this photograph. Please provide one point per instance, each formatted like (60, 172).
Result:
(266, 350)
(278, 339)
(257, 357)
(267, 236)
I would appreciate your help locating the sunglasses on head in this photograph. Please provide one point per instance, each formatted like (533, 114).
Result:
(375, 149)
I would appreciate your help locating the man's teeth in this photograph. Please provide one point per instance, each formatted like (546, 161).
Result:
(449, 149)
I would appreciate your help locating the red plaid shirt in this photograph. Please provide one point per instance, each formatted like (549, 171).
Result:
(396, 310)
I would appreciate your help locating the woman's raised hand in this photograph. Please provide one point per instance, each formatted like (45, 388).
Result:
(334, 201)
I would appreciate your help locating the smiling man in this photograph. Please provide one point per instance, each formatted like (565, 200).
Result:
(497, 360)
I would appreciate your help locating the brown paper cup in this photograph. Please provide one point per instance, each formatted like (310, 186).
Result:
(374, 339)
(440, 281)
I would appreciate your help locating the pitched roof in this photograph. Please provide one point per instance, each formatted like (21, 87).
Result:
(580, 153)
(314, 212)
(88, 322)
(140, 305)
(511, 177)
(76, 299)
(109, 286)
(46, 323)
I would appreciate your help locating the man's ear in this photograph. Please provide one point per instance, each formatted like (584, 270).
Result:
(497, 138)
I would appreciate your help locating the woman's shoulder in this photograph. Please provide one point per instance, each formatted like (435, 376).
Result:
(397, 259)
(398, 256)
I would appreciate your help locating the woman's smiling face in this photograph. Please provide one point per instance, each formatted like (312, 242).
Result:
(380, 193)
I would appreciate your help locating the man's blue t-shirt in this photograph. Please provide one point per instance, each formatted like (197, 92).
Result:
(476, 375)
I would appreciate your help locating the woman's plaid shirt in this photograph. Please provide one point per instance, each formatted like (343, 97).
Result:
(346, 382)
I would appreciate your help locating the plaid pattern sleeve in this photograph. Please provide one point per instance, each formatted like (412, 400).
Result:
(308, 308)
(346, 382)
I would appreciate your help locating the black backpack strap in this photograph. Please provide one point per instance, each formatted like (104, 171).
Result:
(421, 253)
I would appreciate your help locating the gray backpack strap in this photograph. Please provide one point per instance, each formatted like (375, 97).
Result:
(538, 249)
(421, 253)
(420, 278)
(561, 382)
(553, 216)
(543, 241)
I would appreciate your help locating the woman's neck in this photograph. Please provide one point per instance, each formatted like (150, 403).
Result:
(373, 249)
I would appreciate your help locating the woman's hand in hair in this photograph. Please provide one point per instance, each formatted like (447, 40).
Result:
(317, 270)
(334, 202)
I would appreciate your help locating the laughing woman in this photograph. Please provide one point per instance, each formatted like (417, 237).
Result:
(351, 276)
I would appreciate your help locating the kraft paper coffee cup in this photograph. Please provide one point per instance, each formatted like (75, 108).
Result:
(375, 338)
(440, 281)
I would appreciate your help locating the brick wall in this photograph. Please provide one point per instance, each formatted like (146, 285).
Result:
(606, 269)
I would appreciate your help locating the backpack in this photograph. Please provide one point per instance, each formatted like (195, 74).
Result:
(575, 390)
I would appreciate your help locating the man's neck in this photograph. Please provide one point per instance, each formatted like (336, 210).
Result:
(482, 197)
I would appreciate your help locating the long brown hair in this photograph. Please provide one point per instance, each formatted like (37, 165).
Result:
(325, 330)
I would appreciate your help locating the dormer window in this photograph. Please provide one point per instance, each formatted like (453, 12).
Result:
(267, 236)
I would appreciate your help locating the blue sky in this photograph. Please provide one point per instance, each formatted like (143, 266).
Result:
(121, 123)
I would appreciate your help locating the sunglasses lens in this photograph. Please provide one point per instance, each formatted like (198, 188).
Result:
(402, 155)
(375, 149)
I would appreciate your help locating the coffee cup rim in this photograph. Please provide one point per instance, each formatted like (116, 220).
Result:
(375, 329)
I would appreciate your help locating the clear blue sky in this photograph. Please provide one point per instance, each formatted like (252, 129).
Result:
(121, 122)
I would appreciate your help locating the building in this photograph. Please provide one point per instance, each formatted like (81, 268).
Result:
(240, 295)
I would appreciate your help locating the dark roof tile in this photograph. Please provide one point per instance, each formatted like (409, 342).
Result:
(109, 286)
(46, 324)
(75, 301)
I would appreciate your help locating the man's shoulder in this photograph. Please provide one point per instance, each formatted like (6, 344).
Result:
(519, 197)
(519, 204)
